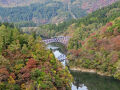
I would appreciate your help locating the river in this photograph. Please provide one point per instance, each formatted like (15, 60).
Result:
(86, 81)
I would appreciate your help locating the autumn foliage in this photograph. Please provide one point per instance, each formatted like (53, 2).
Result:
(100, 50)
(25, 64)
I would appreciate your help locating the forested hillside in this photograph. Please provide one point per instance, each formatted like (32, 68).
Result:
(100, 51)
(26, 64)
(85, 26)
(95, 42)
(47, 11)
(78, 29)
(25, 61)
(15, 3)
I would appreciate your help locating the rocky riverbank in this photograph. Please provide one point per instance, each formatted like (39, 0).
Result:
(90, 71)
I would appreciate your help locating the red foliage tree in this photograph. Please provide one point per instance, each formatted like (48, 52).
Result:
(4, 74)
(31, 64)
(109, 24)
(13, 75)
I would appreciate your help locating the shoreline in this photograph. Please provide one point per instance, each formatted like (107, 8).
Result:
(90, 71)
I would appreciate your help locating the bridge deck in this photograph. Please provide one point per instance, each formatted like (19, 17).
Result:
(63, 40)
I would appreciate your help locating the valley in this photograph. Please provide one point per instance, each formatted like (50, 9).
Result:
(60, 45)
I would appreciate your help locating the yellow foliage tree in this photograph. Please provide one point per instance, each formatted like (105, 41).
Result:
(11, 80)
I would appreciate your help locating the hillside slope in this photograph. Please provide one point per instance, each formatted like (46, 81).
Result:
(87, 25)
(100, 51)
(78, 29)
(26, 64)
(15, 3)
(47, 11)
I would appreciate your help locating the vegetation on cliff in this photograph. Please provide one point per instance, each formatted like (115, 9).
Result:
(25, 63)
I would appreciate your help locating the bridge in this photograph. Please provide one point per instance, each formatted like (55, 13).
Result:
(60, 39)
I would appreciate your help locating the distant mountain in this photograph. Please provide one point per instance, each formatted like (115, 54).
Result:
(14, 3)
(33, 12)
(78, 29)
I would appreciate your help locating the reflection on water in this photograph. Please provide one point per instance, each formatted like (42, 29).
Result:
(88, 81)
(52, 47)
(57, 54)
(82, 87)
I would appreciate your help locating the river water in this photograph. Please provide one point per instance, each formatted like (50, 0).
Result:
(87, 81)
